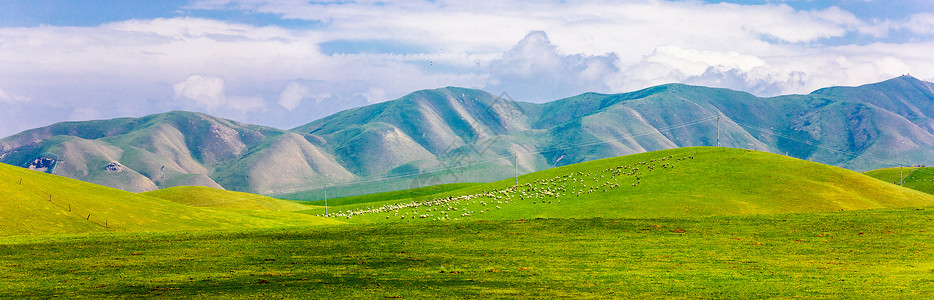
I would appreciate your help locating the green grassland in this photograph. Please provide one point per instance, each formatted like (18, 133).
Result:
(917, 178)
(368, 189)
(40, 203)
(200, 196)
(853, 254)
(683, 223)
(684, 182)
(408, 194)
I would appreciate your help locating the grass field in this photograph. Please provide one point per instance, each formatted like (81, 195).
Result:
(856, 254)
(684, 182)
(199, 196)
(421, 192)
(681, 223)
(40, 203)
(917, 178)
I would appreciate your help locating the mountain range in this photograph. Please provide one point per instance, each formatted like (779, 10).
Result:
(458, 134)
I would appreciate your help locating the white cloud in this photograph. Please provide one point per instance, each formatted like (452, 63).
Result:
(575, 47)
(694, 62)
(84, 114)
(292, 95)
(729, 69)
(921, 23)
(375, 95)
(206, 91)
(890, 66)
(243, 104)
(294, 92)
(209, 92)
(534, 70)
(10, 98)
(761, 46)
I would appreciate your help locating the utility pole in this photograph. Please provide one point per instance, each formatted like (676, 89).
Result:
(325, 199)
(162, 177)
(718, 130)
(901, 175)
(517, 170)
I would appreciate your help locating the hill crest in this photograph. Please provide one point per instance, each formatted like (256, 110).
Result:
(675, 183)
(437, 131)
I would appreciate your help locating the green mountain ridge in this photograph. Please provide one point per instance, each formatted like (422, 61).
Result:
(467, 135)
(172, 149)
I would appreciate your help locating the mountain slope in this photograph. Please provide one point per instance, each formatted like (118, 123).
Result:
(465, 135)
(825, 126)
(170, 149)
(905, 96)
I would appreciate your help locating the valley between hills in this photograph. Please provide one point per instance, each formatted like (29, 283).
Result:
(803, 201)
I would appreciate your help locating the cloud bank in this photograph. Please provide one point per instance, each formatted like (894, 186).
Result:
(362, 52)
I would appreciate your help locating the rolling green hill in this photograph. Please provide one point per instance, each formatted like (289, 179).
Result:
(467, 135)
(699, 222)
(199, 196)
(917, 178)
(683, 182)
(40, 203)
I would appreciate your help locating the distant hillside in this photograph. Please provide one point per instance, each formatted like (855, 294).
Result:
(39, 203)
(199, 196)
(684, 182)
(466, 135)
(455, 129)
(174, 149)
(917, 178)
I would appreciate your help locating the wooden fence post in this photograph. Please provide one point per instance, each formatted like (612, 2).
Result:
(89, 217)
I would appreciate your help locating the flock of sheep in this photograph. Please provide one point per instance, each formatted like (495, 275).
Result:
(539, 191)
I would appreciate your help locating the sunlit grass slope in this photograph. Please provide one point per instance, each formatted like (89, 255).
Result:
(697, 181)
(921, 179)
(866, 254)
(200, 196)
(427, 191)
(78, 207)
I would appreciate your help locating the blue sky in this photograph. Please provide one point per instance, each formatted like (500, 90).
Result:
(286, 63)
(95, 13)
(866, 9)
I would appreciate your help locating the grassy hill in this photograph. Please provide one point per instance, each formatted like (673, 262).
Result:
(697, 181)
(40, 203)
(917, 178)
(421, 192)
(698, 222)
(199, 196)
(468, 135)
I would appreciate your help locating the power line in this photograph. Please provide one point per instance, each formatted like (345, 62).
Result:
(718, 130)
(852, 154)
